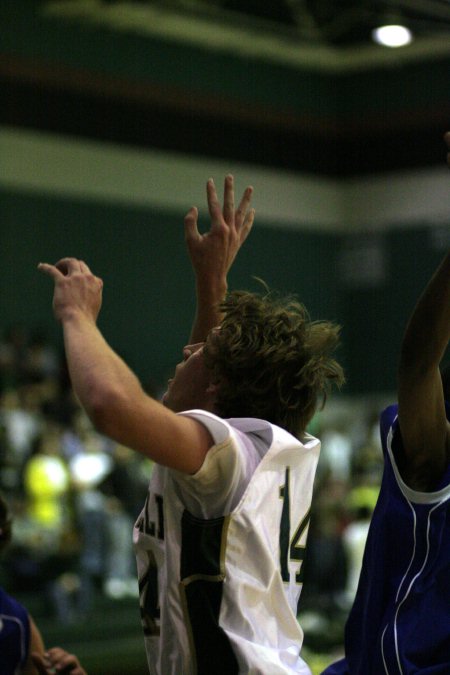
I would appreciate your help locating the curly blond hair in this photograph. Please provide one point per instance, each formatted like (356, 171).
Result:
(270, 361)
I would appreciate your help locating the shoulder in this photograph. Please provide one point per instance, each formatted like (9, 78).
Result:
(219, 484)
(236, 440)
(12, 606)
(219, 428)
(396, 472)
(15, 632)
(240, 429)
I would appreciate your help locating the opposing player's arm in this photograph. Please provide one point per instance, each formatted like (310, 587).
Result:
(36, 648)
(212, 254)
(422, 418)
(107, 389)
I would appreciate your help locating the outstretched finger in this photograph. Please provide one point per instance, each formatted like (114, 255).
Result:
(50, 270)
(242, 209)
(191, 232)
(228, 199)
(247, 225)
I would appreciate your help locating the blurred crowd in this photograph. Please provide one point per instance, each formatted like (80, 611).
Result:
(75, 495)
(345, 493)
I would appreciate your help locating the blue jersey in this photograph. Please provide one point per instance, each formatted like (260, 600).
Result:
(400, 620)
(14, 635)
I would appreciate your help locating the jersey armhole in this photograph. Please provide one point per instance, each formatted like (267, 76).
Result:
(398, 450)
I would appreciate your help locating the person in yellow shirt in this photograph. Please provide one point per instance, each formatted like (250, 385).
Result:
(47, 483)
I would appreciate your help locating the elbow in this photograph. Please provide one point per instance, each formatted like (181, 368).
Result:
(98, 415)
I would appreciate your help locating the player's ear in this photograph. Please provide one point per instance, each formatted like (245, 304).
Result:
(211, 392)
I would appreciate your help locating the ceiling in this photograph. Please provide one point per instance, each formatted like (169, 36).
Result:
(343, 23)
(296, 84)
(328, 34)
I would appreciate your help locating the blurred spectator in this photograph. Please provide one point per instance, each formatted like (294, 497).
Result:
(126, 488)
(47, 484)
(128, 479)
(78, 429)
(41, 359)
(336, 453)
(44, 564)
(89, 464)
(367, 464)
(361, 502)
(21, 422)
(325, 560)
(45, 545)
(325, 571)
(13, 356)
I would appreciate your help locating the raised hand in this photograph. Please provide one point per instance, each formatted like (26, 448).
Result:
(77, 290)
(212, 254)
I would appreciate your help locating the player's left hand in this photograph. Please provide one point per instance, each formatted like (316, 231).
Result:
(57, 660)
(213, 253)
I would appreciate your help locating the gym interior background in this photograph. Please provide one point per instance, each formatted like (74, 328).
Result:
(115, 114)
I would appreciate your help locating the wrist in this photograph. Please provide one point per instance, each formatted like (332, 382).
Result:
(212, 289)
(73, 316)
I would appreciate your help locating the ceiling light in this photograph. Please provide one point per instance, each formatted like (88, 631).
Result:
(393, 35)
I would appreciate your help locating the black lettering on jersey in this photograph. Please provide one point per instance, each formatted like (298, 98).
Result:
(285, 527)
(291, 549)
(202, 572)
(149, 599)
(148, 526)
(297, 551)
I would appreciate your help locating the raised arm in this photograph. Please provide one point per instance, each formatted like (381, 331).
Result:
(107, 389)
(422, 418)
(213, 253)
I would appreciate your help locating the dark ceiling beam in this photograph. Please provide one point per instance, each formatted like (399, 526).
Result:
(67, 100)
(64, 79)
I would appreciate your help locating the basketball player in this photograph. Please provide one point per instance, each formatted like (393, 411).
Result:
(400, 620)
(222, 536)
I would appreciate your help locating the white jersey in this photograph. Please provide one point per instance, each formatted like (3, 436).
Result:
(220, 554)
